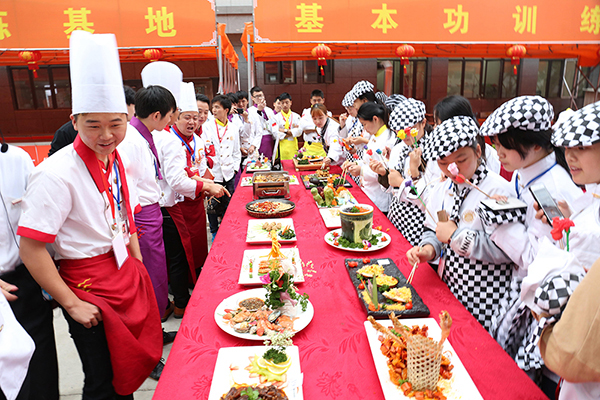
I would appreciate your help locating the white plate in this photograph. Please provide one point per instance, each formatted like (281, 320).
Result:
(261, 254)
(263, 168)
(247, 180)
(224, 377)
(460, 385)
(257, 235)
(232, 303)
(331, 217)
(345, 199)
(329, 239)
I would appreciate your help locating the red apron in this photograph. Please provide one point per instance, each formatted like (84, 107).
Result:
(128, 305)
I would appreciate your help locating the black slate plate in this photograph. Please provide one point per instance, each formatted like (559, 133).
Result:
(323, 182)
(419, 308)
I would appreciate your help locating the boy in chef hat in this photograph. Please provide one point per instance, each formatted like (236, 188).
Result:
(79, 200)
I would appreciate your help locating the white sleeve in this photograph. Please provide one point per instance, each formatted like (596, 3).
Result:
(237, 154)
(173, 164)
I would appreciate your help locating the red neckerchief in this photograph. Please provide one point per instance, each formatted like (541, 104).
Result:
(90, 160)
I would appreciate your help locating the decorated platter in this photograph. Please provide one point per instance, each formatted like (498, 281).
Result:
(256, 233)
(313, 180)
(460, 386)
(232, 303)
(277, 208)
(255, 256)
(383, 239)
(251, 167)
(230, 369)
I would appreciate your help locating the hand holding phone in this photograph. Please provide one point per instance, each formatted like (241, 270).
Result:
(545, 202)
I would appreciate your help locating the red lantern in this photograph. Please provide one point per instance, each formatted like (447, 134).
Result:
(515, 53)
(404, 52)
(31, 58)
(321, 52)
(153, 54)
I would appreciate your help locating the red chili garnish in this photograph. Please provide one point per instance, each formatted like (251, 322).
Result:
(384, 239)
(366, 260)
(352, 264)
(335, 234)
(335, 243)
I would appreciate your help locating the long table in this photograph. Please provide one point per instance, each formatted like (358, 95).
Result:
(334, 351)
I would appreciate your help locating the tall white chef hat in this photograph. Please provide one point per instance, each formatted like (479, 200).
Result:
(187, 97)
(96, 81)
(165, 74)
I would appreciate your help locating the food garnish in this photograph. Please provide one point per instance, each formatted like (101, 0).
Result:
(369, 270)
(399, 295)
(287, 233)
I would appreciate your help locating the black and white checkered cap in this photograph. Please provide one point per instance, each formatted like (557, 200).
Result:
(406, 114)
(580, 129)
(359, 89)
(449, 136)
(348, 99)
(529, 113)
(382, 97)
(393, 101)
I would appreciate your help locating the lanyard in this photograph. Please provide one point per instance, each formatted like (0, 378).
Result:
(224, 133)
(118, 198)
(531, 181)
(187, 146)
(353, 125)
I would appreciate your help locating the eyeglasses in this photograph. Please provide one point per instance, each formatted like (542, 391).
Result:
(258, 96)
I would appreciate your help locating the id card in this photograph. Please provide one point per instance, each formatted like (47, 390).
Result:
(119, 248)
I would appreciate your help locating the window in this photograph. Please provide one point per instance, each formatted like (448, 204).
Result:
(51, 89)
(312, 72)
(550, 81)
(280, 72)
(490, 79)
(391, 78)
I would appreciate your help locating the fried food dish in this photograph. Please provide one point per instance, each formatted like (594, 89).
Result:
(264, 393)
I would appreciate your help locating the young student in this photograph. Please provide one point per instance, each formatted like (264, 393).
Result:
(474, 268)
(204, 114)
(79, 200)
(242, 103)
(556, 272)
(37, 379)
(406, 164)
(286, 127)
(326, 135)
(260, 115)
(521, 130)
(350, 131)
(277, 105)
(184, 217)
(222, 139)
(451, 106)
(154, 107)
(374, 119)
(308, 127)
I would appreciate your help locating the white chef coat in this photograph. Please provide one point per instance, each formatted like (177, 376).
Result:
(62, 206)
(306, 121)
(15, 167)
(16, 349)
(142, 169)
(260, 125)
(176, 182)
(332, 138)
(370, 185)
(228, 156)
(279, 122)
(521, 242)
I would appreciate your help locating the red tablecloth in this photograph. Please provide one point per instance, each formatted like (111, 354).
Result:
(334, 352)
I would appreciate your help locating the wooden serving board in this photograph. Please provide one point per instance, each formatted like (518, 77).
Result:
(308, 167)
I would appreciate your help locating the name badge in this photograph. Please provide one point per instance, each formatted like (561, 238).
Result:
(119, 248)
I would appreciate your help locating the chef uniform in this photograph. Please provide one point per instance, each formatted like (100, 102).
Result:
(222, 141)
(184, 157)
(263, 137)
(86, 212)
(353, 128)
(32, 312)
(288, 146)
(312, 138)
(477, 272)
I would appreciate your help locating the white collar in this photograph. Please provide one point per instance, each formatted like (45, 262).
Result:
(531, 172)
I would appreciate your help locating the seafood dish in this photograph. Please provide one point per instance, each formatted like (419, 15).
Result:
(254, 318)
(270, 206)
(392, 292)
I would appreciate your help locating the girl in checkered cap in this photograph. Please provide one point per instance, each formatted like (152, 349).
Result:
(521, 131)
(374, 119)
(474, 268)
(555, 273)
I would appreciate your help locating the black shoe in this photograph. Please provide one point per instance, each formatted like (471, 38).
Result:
(157, 371)
(168, 337)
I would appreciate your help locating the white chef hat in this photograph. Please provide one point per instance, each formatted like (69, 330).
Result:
(165, 74)
(96, 81)
(187, 97)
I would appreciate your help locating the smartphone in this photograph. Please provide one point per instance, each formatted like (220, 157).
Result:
(545, 201)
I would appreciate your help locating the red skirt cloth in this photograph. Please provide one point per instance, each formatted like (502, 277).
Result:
(190, 218)
(131, 320)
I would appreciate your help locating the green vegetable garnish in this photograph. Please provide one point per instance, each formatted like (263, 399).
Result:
(251, 393)
(402, 381)
(275, 355)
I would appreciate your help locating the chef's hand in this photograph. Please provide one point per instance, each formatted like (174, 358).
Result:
(386, 152)
(326, 162)
(419, 254)
(213, 189)
(357, 140)
(85, 313)
(244, 151)
(353, 169)
(6, 289)
(251, 149)
(245, 115)
(343, 118)
(261, 104)
(377, 167)
(562, 206)
(445, 230)
(415, 161)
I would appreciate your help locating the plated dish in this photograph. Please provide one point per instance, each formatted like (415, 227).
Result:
(253, 167)
(255, 265)
(259, 230)
(321, 179)
(378, 241)
(247, 180)
(270, 208)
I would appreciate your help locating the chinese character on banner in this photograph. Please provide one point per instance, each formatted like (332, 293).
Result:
(4, 33)
(309, 20)
(77, 21)
(525, 17)
(457, 19)
(162, 22)
(384, 21)
(590, 20)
